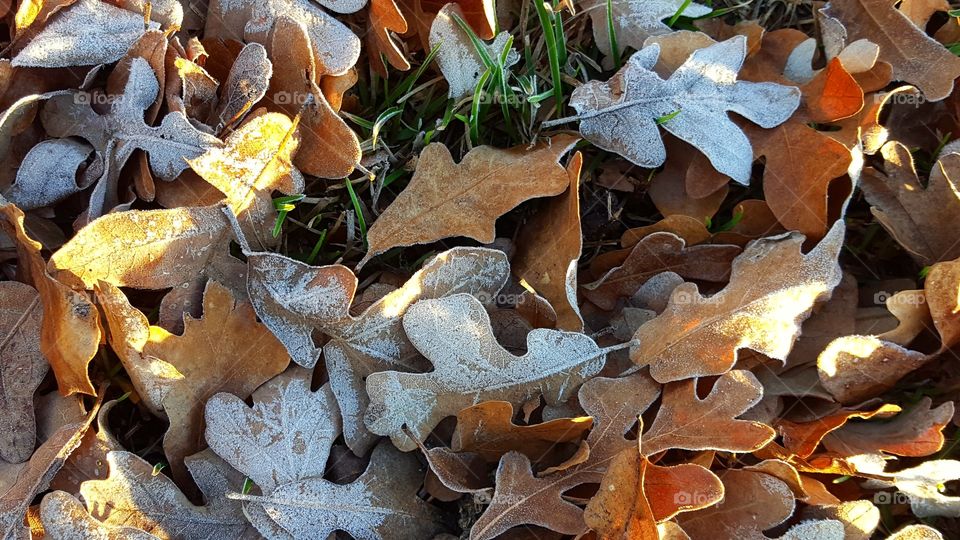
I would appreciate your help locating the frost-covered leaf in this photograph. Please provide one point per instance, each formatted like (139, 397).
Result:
(470, 366)
(773, 287)
(384, 20)
(915, 432)
(446, 199)
(146, 249)
(856, 368)
(285, 437)
(752, 503)
(458, 58)
(87, 33)
(246, 84)
(924, 486)
(65, 518)
(135, 496)
(337, 48)
(635, 20)
(22, 368)
(622, 115)
(48, 173)
(293, 298)
(254, 161)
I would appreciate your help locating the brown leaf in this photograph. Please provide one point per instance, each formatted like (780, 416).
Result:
(680, 488)
(752, 503)
(488, 429)
(383, 20)
(226, 350)
(520, 498)
(803, 438)
(942, 294)
(916, 432)
(255, 161)
(620, 509)
(70, 329)
(915, 57)
(22, 368)
(549, 247)
(688, 422)
(855, 368)
(329, 148)
(446, 199)
(773, 287)
(146, 249)
(920, 218)
(656, 253)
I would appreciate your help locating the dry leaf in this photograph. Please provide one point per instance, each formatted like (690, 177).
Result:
(146, 249)
(65, 518)
(470, 366)
(941, 290)
(447, 199)
(634, 20)
(923, 486)
(685, 421)
(916, 432)
(620, 508)
(549, 247)
(855, 368)
(70, 330)
(761, 309)
(752, 503)
(48, 173)
(801, 439)
(136, 496)
(22, 368)
(383, 20)
(916, 58)
(692, 104)
(920, 218)
(246, 84)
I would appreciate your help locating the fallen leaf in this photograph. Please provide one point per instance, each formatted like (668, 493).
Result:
(691, 104)
(246, 84)
(752, 503)
(22, 368)
(855, 368)
(941, 290)
(801, 439)
(64, 517)
(48, 173)
(922, 485)
(445, 198)
(470, 366)
(761, 309)
(383, 20)
(634, 21)
(548, 249)
(915, 432)
(620, 508)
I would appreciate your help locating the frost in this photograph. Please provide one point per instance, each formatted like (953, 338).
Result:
(48, 173)
(635, 20)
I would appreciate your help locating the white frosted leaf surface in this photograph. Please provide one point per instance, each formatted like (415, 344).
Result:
(470, 366)
(921, 484)
(635, 20)
(65, 518)
(247, 82)
(285, 437)
(48, 173)
(773, 288)
(621, 115)
(85, 34)
(381, 504)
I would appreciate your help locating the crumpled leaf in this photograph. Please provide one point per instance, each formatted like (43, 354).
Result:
(65, 518)
(70, 330)
(336, 47)
(915, 432)
(372, 341)
(22, 368)
(146, 249)
(87, 33)
(283, 444)
(657, 253)
(923, 486)
(773, 287)
(48, 173)
(520, 498)
(383, 20)
(688, 422)
(246, 84)
(920, 217)
(916, 58)
(622, 115)
(458, 58)
(254, 161)
(134, 496)
(548, 250)
(635, 20)
(445, 198)
(470, 366)
(226, 350)
(855, 368)
(328, 147)
(752, 503)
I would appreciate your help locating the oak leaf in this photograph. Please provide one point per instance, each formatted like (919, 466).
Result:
(383, 20)
(548, 250)
(447, 199)
(245, 85)
(133, 495)
(940, 294)
(22, 368)
(623, 114)
(923, 486)
(48, 173)
(65, 518)
(920, 217)
(470, 366)
(802, 438)
(70, 329)
(915, 57)
(856, 368)
(760, 309)
(634, 20)
(620, 508)
(915, 432)
(752, 502)
(293, 298)
(146, 249)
